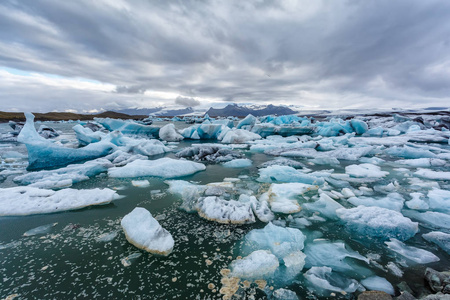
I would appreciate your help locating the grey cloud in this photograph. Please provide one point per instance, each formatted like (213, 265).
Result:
(186, 101)
(242, 51)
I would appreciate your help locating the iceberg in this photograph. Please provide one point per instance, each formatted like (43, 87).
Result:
(190, 193)
(163, 167)
(64, 177)
(325, 205)
(247, 122)
(283, 198)
(239, 136)
(238, 163)
(144, 232)
(86, 135)
(22, 201)
(378, 222)
(45, 154)
(409, 152)
(284, 294)
(40, 229)
(225, 211)
(128, 127)
(259, 264)
(365, 170)
(280, 241)
(417, 255)
(439, 238)
(439, 200)
(433, 175)
(421, 162)
(208, 152)
(333, 255)
(430, 219)
(376, 283)
(392, 201)
(325, 279)
(169, 133)
(287, 174)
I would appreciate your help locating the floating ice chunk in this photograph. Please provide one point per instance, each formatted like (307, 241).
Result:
(259, 264)
(325, 161)
(227, 212)
(372, 160)
(87, 136)
(280, 241)
(106, 237)
(140, 183)
(129, 127)
(238, 163)
(417, 255)
(439, 200)
(417, 203)
(294, 263)
(325, 205)
(21, 201)
(145, 147)
(144, 232)
(430, 218)
(376, 283)
(64, 177)
(190, 193)
(44, 154)
(163, 167)
(40, 230)
(169, 133)
(282, 162)
(377, 131)
(262, 211)
(239, 136)
(392, 201)
(359, 126)
(324, 278)
(287, 174)
(325, 253)
(378, 222)
(394, 269)
(347, 193)
(248, 121)
(209, 152)
(47, 132)
(433, 175)
(204, 131)
(439, 238)
(283, 198)
(409, 152)
(130, 259)
(422, 162)
(284, 294)
(365, 170)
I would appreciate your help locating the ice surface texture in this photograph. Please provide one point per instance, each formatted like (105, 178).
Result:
(144, 232)
(259, 264)
(21, 201)
(225, 211)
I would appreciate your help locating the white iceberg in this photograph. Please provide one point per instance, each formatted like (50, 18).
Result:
(365, 170)
(225, 211)
(239, 136)
(238, 163)
(284, 197)
(417, 255)
(144, 232)
(259, 264)
(21, 201)
(163, 167)
(439, 238)
(169, 133)
(378, 222)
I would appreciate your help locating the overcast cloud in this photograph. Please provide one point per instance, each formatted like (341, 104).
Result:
(94, 55)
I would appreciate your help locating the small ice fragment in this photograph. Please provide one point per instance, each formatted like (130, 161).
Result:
(127, 261)
(376, 283)
(140, 183)
(40, 230)
(417, 255)
(106, 237)
(258, 264)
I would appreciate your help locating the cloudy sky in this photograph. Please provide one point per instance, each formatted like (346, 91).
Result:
(88, 55)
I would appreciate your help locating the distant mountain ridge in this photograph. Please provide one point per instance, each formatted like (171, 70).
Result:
(242, 111)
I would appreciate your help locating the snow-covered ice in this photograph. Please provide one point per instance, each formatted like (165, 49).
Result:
(258, 264)
(225, 211)
(144, 232)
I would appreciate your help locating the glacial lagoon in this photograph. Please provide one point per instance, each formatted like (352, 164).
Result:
(328, 239)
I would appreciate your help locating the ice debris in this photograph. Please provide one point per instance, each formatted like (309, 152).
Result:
(439, 238)
(417, 255)
(257, 265)
(376, 283)
(144, 232)
(324, 278)
(169, 133)
(225, 211)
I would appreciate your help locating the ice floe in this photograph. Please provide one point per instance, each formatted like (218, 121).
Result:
(258, 264)
(417, 255)
(225, 211)
(144, 232)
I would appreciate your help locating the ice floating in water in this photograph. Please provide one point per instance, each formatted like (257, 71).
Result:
(169, 133)
(140, 183)
(144, 232)
(439, 200)
(378, 222)
(430, 218)
(325, 205)
(259, 264)
(20, 201)
(409, 152)
(324, 253)
(392, 201)
(215, 209)
(129, 127)
(239, 136)
(44, 154)
(106, 237)
(238, 163)
(280, 241)
(421, 162)
(324, 278)
(283, 198)
(247, 122)
(284, 294)
(365, 170)
(40, 230)
(87, 136)
(417, 255)
(376, 283)
(64, 177)
(212, 153)
(130, 259)
(190, 193)
(439, 238)
(287, 174)
(163, 167)
(416, 202)
(433, 175)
